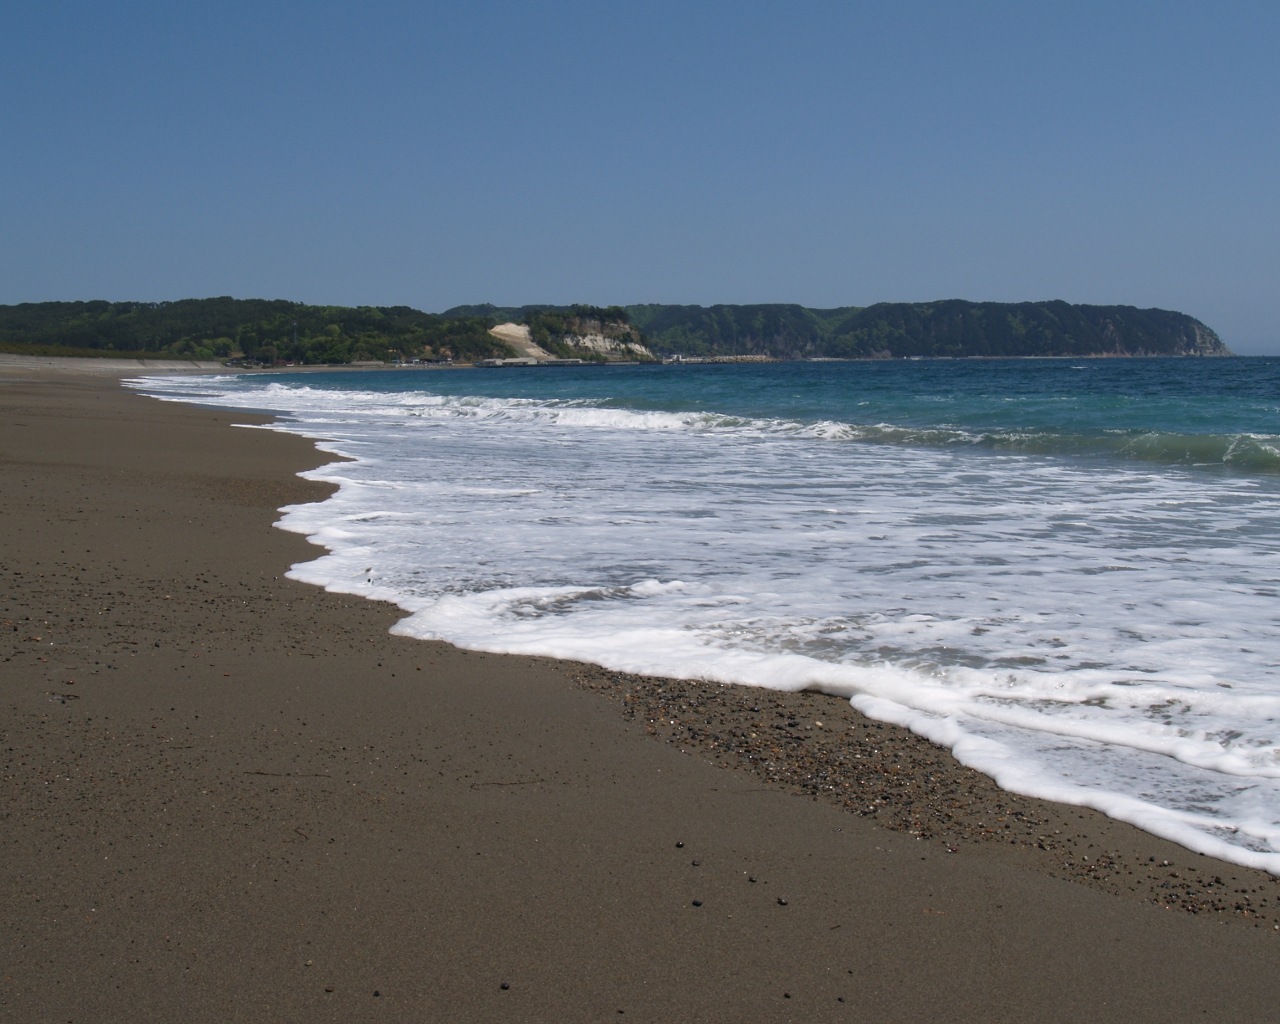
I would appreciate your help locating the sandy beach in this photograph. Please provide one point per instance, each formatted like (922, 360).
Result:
(229, 796)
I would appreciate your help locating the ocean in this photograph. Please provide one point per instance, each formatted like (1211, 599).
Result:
(1066, 572)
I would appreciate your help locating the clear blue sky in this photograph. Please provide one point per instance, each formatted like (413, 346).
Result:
(826, 153)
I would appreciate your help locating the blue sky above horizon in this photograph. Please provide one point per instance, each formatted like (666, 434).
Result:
(492, 151)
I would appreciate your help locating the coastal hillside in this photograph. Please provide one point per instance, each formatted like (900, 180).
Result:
(256, 331)
(953, 328)
(267, 332)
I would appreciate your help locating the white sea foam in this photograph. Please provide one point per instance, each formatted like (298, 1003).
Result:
(1095, 634)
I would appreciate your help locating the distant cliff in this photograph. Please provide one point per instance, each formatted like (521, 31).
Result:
(587, 332)
(275, 331)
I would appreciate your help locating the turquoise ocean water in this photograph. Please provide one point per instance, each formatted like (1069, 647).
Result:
(1068, 572)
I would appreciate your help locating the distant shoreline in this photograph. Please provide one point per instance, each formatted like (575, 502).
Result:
(113, 366)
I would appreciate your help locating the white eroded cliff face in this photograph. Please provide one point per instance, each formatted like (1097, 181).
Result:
(623, 347)
(614, 341)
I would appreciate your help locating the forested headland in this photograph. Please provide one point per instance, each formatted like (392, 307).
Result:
(270, 332)
(953, 328)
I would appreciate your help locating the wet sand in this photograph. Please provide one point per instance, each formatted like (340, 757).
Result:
(228, 796)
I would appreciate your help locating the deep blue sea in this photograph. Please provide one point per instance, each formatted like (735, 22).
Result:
(1067, 572)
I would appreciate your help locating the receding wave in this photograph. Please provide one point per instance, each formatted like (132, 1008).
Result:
(1259, 453)
(1255, 453)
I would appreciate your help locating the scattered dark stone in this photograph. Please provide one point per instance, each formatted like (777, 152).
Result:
(505, 985)
(897, 780)
(697, 903)
(679, 846)
(376, 993)
(781, 902)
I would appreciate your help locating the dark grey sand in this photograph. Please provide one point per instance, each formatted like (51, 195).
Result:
(231, 797)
